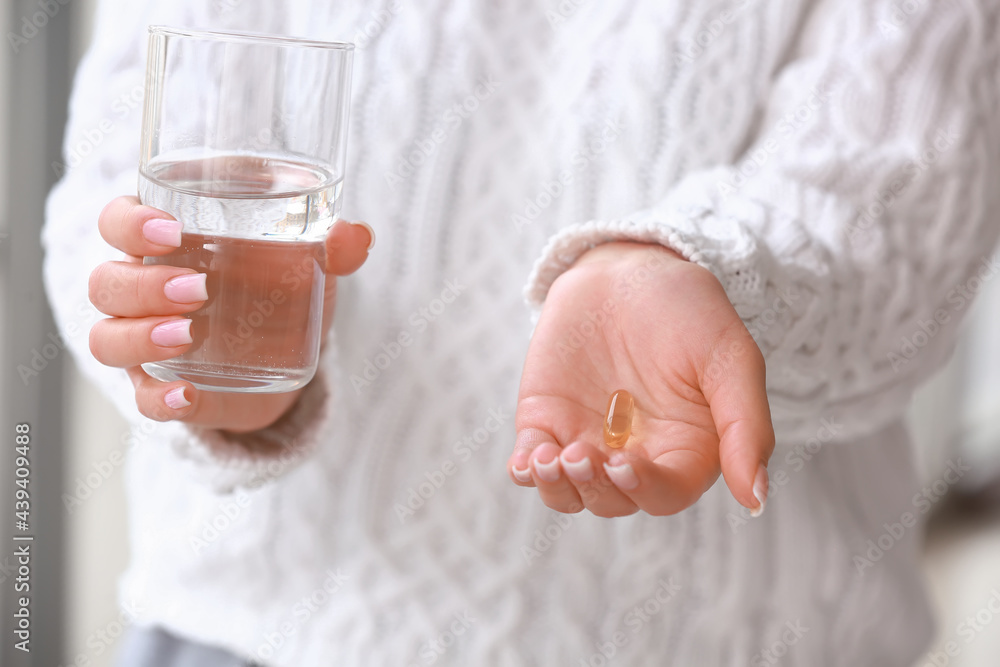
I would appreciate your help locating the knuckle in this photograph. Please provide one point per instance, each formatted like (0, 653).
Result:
(137, 342)
(147, 285)
(131, 218)
(147, 405)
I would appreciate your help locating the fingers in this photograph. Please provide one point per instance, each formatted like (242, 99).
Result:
(138, 230)
(555, 490)
(671, 483)
(568, 480)
(347, 247)
(128, 289)
(125, 342)
(162, 401)
(519, 463)
(584, 467)
(737, 396)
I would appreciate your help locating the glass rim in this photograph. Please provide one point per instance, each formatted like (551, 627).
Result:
(249, 37)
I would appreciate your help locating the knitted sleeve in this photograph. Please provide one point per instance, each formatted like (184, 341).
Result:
(859, 223)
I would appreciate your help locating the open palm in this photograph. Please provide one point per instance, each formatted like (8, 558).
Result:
(640, 318)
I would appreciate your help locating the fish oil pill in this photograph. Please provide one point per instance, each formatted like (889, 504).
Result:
(618, 423)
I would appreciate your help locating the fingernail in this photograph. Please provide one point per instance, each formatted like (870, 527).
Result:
(548, 472)
(175, 399)
(187, 289)
(172, 334)
(621, 473)
(371, 233)
(580, 471)
(760, 490)
(521, 475)
(163, 232)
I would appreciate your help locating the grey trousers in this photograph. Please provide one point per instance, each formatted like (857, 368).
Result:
(153, 647)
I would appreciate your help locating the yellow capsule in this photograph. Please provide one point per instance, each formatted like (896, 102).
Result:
(618, 423)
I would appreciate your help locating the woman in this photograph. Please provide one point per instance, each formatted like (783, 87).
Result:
(816, 174)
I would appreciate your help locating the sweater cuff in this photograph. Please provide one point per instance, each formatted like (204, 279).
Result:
(720, 246)
(226, 461)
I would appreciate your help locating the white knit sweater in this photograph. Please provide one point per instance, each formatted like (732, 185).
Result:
(834, 163)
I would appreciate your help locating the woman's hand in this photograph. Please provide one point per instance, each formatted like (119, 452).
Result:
(641, 318)
(141, 299)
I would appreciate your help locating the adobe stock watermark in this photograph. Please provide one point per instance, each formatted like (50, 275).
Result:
(563, 12)
(899, 14)
(121, 108)
(31, 25)
(632, 624)
(379, 21)
(551, 190)
(435, 648)
(427, 147)
(101, 471)
(922, 503)
(242, 338)
(546, 537)
(966, 632)
(795, 460)
(419, 321)
(231, 508)
(103, 639)
(417, 496)
(723, 362)
(39, 357)
(226, 6)
(593, 320)
(958, 298)
(791, 634)
(687, 51)
(300, 614)
(771, 144)
(909, 173)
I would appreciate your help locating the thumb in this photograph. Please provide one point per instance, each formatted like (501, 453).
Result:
(734, 385)
(347, 246)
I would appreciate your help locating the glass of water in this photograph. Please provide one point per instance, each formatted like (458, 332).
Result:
(243, 140)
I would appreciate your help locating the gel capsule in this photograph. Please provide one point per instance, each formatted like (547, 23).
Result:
(618, 423)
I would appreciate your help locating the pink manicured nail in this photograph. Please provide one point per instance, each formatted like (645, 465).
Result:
(760, 485)
(371, 233)
(187, 289)
(175, 399)
(521, 475)
(172, 334)
(579, 471)
(163, 232)
(621, 473)
(548, 472)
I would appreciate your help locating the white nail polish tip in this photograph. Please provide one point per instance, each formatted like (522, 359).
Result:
(371, 232)
(548, 472)
(760, 491)
(581, 470)
(622, 475)
(521, 475)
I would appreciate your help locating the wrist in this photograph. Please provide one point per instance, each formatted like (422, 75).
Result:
(628, 251)
(246, 413)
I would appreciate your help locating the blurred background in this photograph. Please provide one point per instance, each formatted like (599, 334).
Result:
(80, 548)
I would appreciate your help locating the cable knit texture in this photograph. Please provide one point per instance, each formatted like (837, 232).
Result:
(834, 163)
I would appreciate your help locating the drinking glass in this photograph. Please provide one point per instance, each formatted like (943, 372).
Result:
(243, 141)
